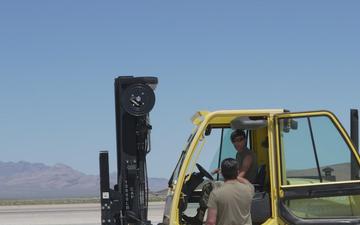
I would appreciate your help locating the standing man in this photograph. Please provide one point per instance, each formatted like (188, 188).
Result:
(245, 157)
(230, 204)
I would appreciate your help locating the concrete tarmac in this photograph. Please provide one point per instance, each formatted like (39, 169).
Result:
(67, 214)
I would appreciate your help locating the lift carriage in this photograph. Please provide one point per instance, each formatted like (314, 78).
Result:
(127, 202)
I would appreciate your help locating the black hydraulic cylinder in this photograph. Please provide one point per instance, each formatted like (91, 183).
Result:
(354, 134)
(104, 172)
(107, 217)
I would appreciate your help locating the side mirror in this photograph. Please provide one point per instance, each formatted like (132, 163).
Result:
(290, 124)
(208, 130)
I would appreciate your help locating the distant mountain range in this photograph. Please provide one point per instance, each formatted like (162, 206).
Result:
(24, 180)
(340, 171)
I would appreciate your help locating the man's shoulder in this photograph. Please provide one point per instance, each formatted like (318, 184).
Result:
(249, 187)
(228, 189)
(248, 151)
(234, 185)
(244, 187)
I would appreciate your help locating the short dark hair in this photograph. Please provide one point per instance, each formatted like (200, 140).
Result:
(237, 133)
(229, 168)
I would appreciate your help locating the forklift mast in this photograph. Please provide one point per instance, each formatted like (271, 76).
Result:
(127, 202)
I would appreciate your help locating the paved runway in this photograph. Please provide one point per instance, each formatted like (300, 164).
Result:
(68, 214)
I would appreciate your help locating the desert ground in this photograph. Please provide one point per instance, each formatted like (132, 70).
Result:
(65, 214)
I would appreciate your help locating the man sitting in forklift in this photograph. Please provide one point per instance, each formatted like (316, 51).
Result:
(245, 157)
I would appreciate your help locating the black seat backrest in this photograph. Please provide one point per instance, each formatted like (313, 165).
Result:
(260, 178)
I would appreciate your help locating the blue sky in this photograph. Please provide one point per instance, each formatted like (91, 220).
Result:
(58, 60)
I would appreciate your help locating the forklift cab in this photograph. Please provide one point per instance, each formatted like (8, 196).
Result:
(307, 167)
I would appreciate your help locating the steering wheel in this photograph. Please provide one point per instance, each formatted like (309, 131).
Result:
(204, 172)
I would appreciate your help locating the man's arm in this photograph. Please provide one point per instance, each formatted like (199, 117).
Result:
(246, 165)
(211, 216)
(215, 171)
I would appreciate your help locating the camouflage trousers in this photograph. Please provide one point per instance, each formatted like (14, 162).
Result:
(204, 198)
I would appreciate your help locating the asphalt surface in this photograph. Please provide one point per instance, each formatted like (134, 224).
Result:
(67, 214)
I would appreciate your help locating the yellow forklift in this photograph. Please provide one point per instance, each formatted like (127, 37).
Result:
(308, 166)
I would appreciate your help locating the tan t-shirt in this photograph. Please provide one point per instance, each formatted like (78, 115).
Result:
(232, 202)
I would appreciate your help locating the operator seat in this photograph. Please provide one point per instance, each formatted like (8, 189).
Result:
(260, 179)
(260, 207)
